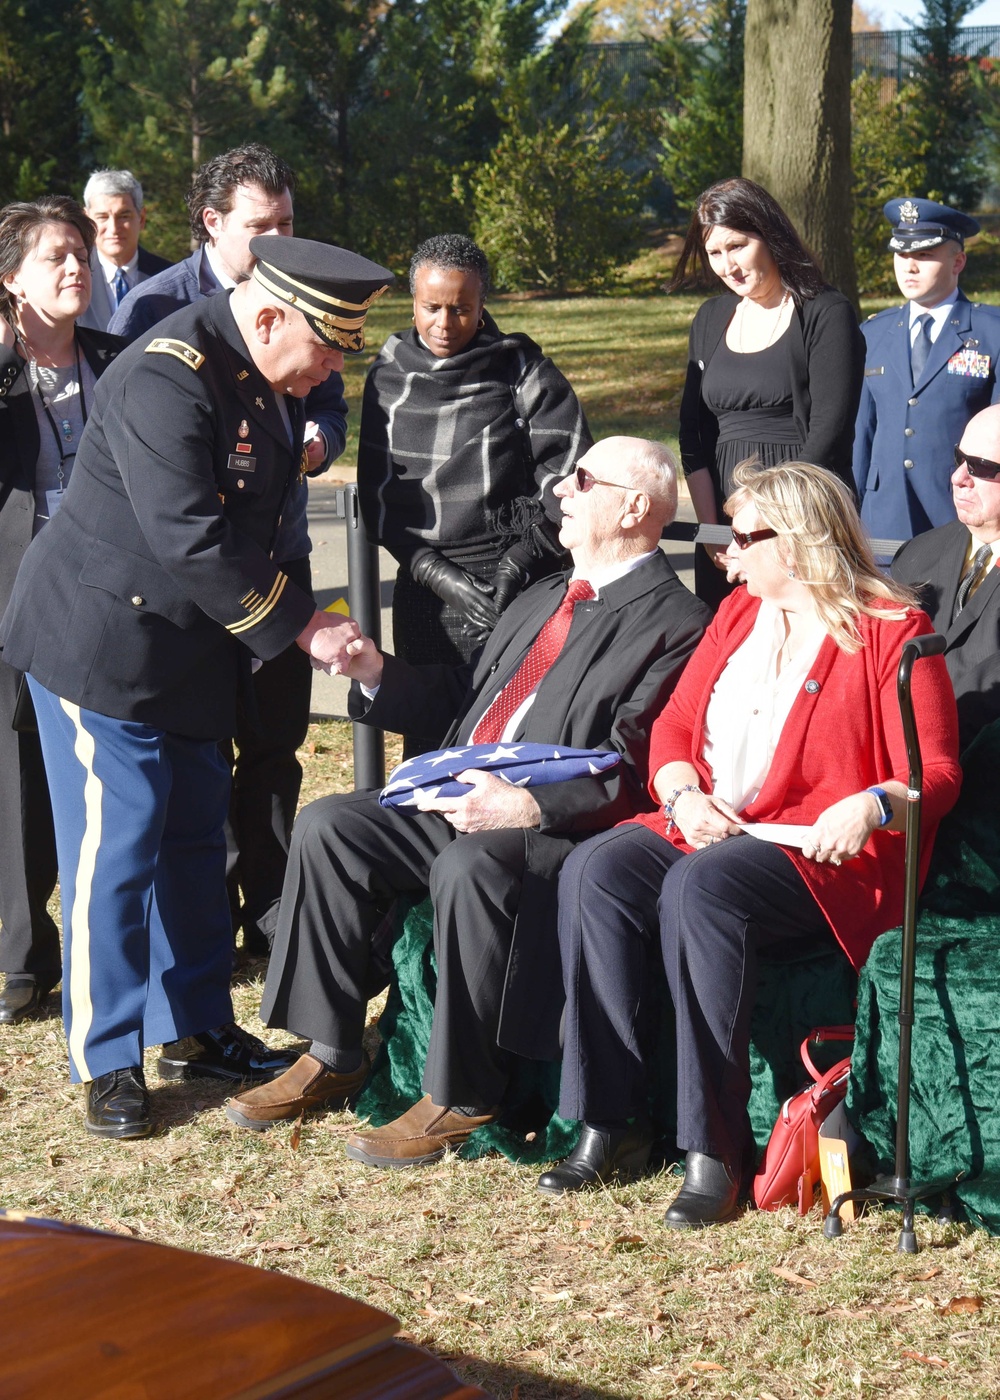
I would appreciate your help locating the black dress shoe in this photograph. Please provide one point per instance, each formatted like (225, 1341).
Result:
(118, 1105)
(710, 1194)
(601, 1153)
(227, 1052)
(22, 999)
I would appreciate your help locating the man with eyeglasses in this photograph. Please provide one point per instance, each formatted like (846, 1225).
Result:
(955, 569)
(929, 366)
(585, 660)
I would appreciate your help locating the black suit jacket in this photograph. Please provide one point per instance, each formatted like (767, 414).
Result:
(19, 448)
(141, 598)
(615, 673)
(933, 563)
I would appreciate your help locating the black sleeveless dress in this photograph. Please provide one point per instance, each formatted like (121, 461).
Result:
(751, 396)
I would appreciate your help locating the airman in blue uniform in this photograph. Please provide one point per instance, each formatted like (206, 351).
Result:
(930, 366)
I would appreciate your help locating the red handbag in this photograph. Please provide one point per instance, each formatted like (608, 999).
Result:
(789, 1171)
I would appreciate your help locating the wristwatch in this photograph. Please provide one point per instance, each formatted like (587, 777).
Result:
(885, 806)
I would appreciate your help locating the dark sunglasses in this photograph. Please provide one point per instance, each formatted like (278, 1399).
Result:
(980, 467)
(585, 480)
(745, 541)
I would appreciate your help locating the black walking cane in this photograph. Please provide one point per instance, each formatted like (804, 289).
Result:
(898, 1188)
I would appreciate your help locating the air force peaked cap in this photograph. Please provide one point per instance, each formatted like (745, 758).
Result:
(920, 223)
(332, 287)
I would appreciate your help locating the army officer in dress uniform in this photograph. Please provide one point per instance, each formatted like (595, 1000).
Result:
(136, 614)
(930, 365)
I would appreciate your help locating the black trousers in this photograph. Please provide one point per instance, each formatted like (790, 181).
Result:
(29, 939)
(267, 777)
(712, 911)
(350, 860)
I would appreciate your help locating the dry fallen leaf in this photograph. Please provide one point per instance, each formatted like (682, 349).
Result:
(470, 1300)
(927, 1274)
(706, 1366)
(970, 1304)
(296, 1134)
(583, 1224)
(766, 1395)
(927, 1360)
(791, 1277)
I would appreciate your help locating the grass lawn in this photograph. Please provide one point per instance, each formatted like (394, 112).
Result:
(532, 1298)
(584, 1299)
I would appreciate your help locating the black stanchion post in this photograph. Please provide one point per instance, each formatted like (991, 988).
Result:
(364, 597)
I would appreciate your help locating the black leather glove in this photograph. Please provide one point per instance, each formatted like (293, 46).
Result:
(512, 575)
(459, 590)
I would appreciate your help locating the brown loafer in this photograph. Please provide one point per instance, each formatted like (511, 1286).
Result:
(307, 1085)
(423, 1134)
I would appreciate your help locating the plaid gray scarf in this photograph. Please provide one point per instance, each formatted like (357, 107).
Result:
(450, 446)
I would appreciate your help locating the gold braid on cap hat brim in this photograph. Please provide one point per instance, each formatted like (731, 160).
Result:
(346, 332)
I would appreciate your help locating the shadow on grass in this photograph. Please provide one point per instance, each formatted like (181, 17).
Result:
(512, 1382)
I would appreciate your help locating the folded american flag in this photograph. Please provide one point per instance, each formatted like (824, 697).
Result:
(523, 765)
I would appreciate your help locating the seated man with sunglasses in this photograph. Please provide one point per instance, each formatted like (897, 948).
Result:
(586, 659)
(955, 571)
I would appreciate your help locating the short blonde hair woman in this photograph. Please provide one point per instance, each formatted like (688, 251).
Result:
(786, 713)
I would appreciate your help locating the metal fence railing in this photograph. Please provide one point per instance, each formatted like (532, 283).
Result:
(889, 54)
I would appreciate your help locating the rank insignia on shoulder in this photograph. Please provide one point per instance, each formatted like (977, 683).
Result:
(180, 350)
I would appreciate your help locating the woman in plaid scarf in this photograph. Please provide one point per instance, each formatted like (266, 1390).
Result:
(464, 431)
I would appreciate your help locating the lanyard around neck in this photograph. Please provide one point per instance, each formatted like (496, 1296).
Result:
(64, 457)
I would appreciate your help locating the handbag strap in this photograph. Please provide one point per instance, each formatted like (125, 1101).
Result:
(818, 1037)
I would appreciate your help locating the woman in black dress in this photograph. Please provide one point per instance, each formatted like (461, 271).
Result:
(48, 369)
(775, 365)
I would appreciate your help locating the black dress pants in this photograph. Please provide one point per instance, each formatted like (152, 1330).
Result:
(621, 894)
(29, 939)
(350, 860)
(267, 777)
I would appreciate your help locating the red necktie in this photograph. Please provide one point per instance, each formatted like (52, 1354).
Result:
(544, 650)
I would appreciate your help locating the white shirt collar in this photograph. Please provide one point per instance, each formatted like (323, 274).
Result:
(600, 578)
(221, 276)
(111, 269)
(938, 314)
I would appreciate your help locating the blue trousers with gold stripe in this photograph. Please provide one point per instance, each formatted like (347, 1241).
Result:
(147, 936)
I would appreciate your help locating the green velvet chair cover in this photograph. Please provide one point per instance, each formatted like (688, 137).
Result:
(794, 997)
(954, 1122)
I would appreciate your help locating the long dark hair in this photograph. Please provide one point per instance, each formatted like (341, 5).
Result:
(747, 207)
(21, 226)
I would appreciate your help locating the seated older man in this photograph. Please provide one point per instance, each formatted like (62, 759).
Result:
(954, 568)
(586, 660)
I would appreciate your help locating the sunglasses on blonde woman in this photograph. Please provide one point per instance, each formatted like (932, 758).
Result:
(744, 541)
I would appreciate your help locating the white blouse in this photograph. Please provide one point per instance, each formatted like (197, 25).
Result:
(750, 703)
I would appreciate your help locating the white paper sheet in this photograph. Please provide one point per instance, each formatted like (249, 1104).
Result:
(781, 833)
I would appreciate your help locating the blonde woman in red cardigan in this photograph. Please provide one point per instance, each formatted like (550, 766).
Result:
(786, 713)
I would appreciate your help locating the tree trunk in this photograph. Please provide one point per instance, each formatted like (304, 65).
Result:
(797, 122)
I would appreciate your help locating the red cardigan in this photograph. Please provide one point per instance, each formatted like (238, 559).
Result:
(843, 738)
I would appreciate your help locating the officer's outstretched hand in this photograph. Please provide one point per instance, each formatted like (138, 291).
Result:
(325, 639)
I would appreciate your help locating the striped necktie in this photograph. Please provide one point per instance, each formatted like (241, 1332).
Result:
(978, 569)
(543, 651)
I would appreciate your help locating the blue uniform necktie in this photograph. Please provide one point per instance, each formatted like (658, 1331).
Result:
(120, 287)
(921, 346)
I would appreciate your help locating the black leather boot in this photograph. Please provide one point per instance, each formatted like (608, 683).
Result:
(710, 1194)
(600, 1154)
(118, 1105)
